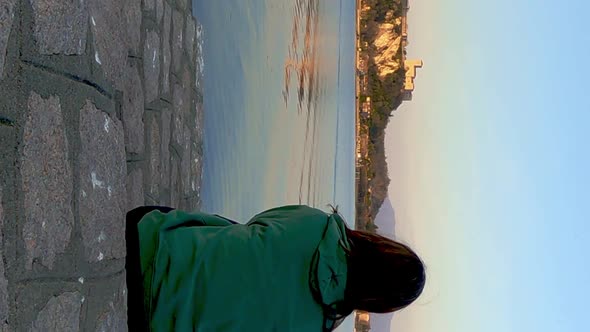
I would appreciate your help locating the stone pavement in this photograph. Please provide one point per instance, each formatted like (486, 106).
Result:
(100, 111)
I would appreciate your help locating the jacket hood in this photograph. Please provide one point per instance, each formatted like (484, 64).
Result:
(329, 267)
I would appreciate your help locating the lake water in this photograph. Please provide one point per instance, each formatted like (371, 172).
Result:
(279, 105)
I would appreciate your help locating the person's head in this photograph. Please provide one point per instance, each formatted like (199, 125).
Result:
(383, 275)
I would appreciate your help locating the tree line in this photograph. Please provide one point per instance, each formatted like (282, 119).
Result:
(386, 96)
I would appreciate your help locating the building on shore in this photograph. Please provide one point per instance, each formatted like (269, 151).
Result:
(362, 322)
(366, 108)
(410, 67)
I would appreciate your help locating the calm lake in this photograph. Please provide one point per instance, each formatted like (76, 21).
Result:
(279, 105)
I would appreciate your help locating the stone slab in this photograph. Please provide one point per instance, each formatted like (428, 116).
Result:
(60, 26)
(200, 57)
(60, 313)
(166, 53)
(133, 110)
(187, 81)
(106, 304)
(196, 166)
(190, 203)
(151, 65)
(135, 189)
(149, 4)
(132, 10)
(3, 281)
(48, 306)
(180, 102)
(190, 35)
(113, 314)
(108, 24)
(159, 11)
(46, 181)
(102, 196)
(199, 121)
(175, 182)
(6, 20)
(182, 4)
(185, 162)
(177, 39)
(155, 158)
(165, 116)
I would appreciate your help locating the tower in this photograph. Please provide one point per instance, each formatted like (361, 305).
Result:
(410, 67)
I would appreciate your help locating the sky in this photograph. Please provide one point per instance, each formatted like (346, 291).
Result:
(489, 166)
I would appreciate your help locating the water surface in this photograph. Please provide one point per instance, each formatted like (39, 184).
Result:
(279, 105)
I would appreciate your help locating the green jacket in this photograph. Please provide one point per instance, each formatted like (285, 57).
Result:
(284, 270)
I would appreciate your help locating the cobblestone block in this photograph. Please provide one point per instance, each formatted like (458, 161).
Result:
(174, 182)
(60, 26)
(189, 40)
(177, 37)
(165, 149)
(182, 4)
(159, 11)
(166, 55)
(149, 4)
(133, 109)
(180, 104)
(109, 30)
(114, 313)
(187, 80)
(6, 19)
(191, 203)
(185, 162)
(135, 189)
(60, 313)
(133, 16)
(200, 58)
(46, 182)
(199, 121)
(3, 281)
(106, 307)
(151, 65)
(102, 196)
(155, 159)
(196, 166)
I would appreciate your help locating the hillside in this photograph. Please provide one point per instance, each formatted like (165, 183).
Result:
(385, 219)
(381, 46)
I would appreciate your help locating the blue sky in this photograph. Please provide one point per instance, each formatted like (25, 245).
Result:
(489, 165)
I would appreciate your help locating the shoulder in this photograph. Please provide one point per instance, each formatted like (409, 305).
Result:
(289, 213)
(296, 229)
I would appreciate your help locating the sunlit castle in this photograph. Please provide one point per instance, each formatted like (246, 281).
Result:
(362, 321)
(410, 67)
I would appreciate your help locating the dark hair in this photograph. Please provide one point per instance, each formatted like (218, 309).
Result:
(383, 275)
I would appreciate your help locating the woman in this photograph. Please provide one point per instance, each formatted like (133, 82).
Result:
(290, 268)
